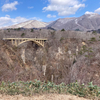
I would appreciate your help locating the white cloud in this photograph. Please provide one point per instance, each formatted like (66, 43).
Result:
(18, 20)
(8, 21)
(64, 7)
(51, 16)
(10, 6)
(30, 7)
(97, 10)
(8, 16)
(87, 12)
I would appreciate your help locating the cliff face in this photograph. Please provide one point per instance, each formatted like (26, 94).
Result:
(67, 56)
(12, 66)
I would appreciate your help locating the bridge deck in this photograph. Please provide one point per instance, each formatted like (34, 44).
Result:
(24, 38)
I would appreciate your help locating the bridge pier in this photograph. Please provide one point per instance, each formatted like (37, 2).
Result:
(43, 43)
(12, 41)
(16, 43)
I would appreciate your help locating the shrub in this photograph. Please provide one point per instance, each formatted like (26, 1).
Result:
(15, 29)
(77, 30)
(63, 30)
(22, 34)
(18, 29)
(31, 88)
(32, 30)
(61, 39)
(93, 39)
(94, 32)
(8, 30)
(53, 33)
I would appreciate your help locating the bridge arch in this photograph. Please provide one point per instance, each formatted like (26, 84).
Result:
(38, 42)
(19, 41)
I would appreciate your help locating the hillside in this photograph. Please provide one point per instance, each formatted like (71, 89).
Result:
(62, 56)
(68, 56)
(83, 23)
(29, 24)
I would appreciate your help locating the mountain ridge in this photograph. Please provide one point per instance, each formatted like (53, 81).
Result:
(29, 24)
(85, 22)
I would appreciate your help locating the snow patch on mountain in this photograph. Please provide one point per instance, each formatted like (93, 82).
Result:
(76, 21)
(65, 20)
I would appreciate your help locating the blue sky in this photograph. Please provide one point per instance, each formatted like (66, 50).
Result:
(17, 11)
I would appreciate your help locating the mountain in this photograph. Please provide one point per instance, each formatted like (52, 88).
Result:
(84, 23)
(29, 24)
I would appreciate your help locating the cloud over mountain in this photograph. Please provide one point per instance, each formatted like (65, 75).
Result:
(97, 10)
(7, 20)
(51, 16)
(64, 7)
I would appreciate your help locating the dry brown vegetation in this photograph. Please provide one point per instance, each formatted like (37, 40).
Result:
(63, 63)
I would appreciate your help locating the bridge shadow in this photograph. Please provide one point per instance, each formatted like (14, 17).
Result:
(34, 45)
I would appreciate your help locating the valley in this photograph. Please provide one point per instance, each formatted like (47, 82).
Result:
(66, 56)
(49, 50)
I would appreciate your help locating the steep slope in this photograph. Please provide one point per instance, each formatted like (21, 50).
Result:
(12, 67)
(83, 23)
(64, 57)
(29, 24)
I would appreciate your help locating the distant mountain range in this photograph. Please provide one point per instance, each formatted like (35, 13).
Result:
(86, 22)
